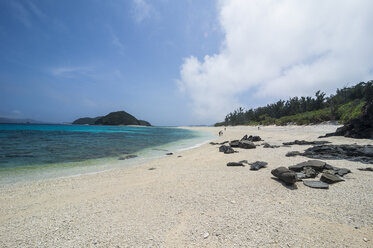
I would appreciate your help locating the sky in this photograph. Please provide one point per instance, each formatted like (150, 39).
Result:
(185, 62)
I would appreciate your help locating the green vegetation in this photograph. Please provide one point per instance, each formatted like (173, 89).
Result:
(350, 110)
(346, 104)
(86, 120)
(117, 118)
(114, 118)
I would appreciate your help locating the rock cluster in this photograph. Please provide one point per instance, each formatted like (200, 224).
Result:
(245, 143)
(359, 128)
(310, 169)
(251, 138)
(253, 166)
(361, 153)
(304, 142)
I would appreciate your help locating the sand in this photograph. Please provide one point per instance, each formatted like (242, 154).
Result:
(195, 201)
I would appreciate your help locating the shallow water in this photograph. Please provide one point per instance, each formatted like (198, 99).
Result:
(27, 150)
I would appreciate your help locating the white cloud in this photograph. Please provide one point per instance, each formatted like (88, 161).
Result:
(141, 10)
(281, 48)
(117, 43)
(25, 13)
(66, 71)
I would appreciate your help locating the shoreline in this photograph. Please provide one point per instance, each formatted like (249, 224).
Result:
(177, 201)
(23, 175)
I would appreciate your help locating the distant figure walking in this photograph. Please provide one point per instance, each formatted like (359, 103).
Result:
(225, 129)
(220, 133)
(258, 128)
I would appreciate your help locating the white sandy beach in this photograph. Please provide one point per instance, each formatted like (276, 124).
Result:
(196, 201)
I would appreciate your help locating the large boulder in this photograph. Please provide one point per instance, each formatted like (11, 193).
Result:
(360, 127)
(245, 144)
(226, 149)
(284, 174)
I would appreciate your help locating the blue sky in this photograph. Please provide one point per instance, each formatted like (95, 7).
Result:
(61, 60)
(175, 62)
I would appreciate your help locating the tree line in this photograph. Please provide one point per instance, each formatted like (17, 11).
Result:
(298, 105)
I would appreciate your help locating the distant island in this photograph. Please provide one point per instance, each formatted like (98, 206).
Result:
(112, 119)
(4, 120)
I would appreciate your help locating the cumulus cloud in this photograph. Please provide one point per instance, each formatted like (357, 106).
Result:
(278, 49)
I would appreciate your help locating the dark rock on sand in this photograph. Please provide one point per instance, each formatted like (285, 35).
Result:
(169, 153)
(234, 143)
(266, 145)
(303, 142)
(312, 167)
(235, 164)
(258, 165)
(226, 149)
(245, 144)
(341, 171)
(330, 178)
(285, 175)
(222, 143)
(361, 153)
(309, 172)
(366, 169)
(251, 138)
(314, 164)
(316, 184)
(127, 157)
(300, 176)
(359, 128)
(293, 154)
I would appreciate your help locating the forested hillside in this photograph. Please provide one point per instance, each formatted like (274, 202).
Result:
(345, 104)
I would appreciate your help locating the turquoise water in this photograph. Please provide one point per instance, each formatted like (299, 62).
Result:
(45, 151)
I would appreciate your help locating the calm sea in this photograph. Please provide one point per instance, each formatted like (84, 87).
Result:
(29, 152)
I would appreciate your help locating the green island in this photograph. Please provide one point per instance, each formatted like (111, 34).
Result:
(113, 118)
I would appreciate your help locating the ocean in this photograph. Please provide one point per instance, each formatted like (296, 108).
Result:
(34, 152)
